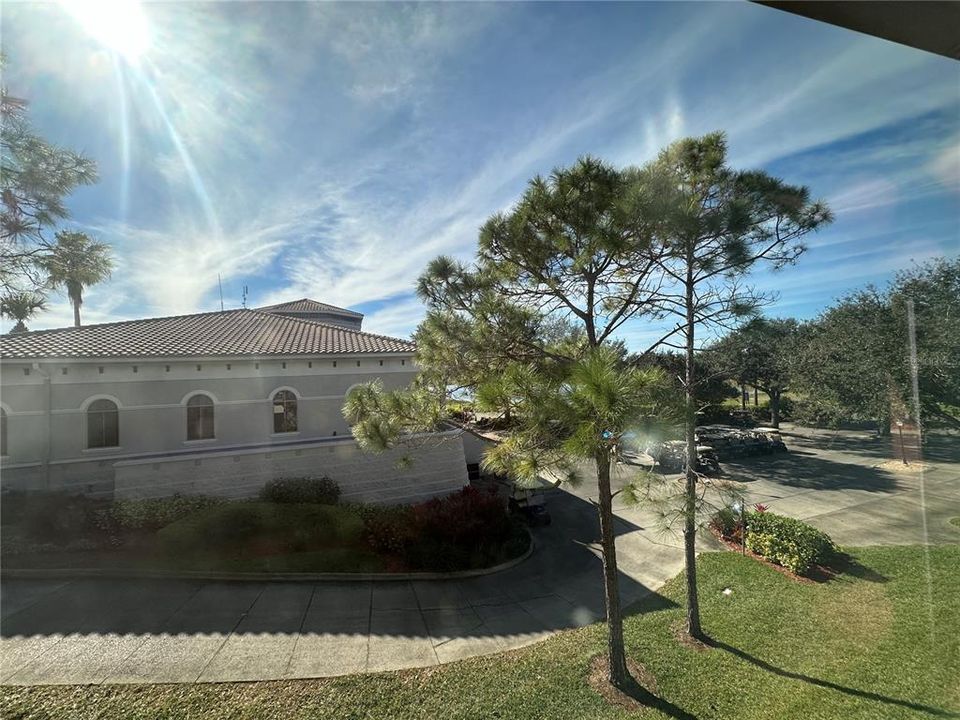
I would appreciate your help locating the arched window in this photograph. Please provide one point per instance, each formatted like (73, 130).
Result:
(200, 418)
(3, 431)
(103, 424)
(284, 412)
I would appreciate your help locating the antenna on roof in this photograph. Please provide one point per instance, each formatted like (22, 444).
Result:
(220, 283)
(245, 296)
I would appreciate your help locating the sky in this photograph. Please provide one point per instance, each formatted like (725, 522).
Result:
(331, 150)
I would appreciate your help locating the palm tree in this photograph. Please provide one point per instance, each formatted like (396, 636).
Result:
(76, 262)
(21, 306)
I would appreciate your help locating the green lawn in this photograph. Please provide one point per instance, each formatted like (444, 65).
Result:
(859, 646)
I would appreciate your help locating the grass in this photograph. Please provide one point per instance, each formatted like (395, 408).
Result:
(858, 647)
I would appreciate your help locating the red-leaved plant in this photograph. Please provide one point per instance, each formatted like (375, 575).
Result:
(760, 507)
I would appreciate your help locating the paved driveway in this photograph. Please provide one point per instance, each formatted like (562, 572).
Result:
(853, 486)
(89, 631)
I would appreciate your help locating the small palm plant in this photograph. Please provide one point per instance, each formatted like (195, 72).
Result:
(75, 262)
(21, 306)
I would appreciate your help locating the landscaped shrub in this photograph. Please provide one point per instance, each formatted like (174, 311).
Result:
(788, 542)
(320, 490)
(390, 530)
(465, 530)
(53, 518)
(469, 518)
(156, 513)
(727, 524)
(247, 529)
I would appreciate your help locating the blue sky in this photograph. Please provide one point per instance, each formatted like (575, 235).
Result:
(331, 150)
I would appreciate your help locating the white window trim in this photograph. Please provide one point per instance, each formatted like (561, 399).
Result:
(194, 393)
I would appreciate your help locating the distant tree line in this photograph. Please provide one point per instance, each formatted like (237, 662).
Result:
(853, 362)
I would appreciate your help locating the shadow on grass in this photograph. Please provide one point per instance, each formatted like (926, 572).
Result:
(846, 564)
(637, 692)
(865, 694)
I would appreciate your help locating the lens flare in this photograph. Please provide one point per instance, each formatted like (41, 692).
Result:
(119, 25)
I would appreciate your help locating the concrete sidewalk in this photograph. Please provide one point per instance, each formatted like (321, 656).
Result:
(96, 631)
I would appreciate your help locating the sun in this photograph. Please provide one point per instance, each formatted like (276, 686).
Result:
(119, 25)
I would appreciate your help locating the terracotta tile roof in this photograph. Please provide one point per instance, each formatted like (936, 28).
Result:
(229, 333)
(306, 305)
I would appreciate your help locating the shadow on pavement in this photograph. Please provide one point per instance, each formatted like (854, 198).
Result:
(814, 472)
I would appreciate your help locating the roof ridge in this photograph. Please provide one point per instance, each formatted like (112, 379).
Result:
(126, 322)
(332, 326)
(325, 305)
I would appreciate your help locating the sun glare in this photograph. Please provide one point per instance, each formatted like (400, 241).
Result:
(120, 25)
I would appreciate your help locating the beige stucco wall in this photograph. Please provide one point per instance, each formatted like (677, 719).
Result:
(437, 468)
(474, 447)
(47, 449)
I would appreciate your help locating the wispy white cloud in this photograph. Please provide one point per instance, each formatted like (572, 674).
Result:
(337, 168)
(398, 317)
(946, 165)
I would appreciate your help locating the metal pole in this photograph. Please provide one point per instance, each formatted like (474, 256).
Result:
(914, 369)
(903, 450)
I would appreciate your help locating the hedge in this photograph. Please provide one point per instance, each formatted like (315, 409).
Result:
(320, 490)
(788, 542)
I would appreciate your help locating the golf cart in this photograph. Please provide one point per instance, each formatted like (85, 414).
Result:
(530, 504)
(671, 457)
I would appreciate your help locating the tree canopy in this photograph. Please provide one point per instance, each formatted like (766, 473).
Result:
(760, 353)
(36, 177)
(75, 262)
(854, 360)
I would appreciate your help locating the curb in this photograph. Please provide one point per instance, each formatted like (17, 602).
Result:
(201, 575)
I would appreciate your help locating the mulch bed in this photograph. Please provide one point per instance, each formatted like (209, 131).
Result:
(646, 684)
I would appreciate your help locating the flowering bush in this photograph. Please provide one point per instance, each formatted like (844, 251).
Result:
(469, 518)
(389, 530)
(728, 524)
(467, 529)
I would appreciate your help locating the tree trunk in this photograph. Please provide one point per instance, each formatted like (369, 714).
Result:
(690, 494)
(615, 650)
(774, 408)
(756, 397)
(76, 314)
(743, 396)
